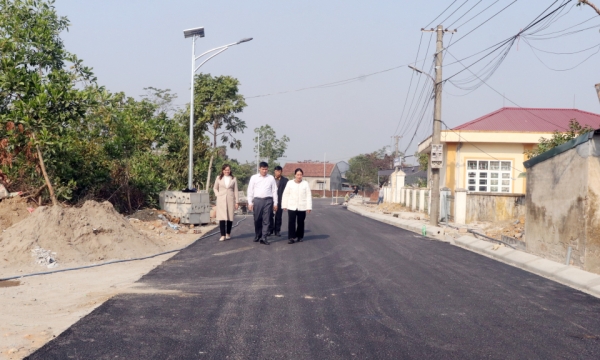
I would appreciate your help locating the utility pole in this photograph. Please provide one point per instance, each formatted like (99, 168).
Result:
(435, 160)
(598, 90)
(396, 153)
(324, 178)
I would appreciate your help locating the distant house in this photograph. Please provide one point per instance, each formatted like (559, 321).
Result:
(319, 175)
(413, 174)
(487, 154)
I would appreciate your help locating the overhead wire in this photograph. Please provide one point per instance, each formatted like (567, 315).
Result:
(412, 73)
(404, 121)
(496, 91)
(446, 9)
(507, 43)
(565, 69)
(476, 15)
(458, 8)
(463, 15)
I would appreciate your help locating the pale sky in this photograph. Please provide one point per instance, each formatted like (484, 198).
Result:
(134, 44)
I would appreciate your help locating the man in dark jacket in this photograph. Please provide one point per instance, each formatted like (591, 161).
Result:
(281, 181)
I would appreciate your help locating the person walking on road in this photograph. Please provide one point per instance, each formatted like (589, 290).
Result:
(281, 181)
(297, 200)
(226, 191)
(262, 200)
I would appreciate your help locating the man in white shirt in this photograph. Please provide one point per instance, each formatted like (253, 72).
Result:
(262, 200)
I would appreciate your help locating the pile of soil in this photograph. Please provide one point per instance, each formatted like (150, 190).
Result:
(95, 232)
(12, 211)
(147, 214)
(514, 229)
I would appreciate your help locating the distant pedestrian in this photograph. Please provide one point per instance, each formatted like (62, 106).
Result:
(226, 191)
(297, 200)
(276, 216)
(262, 200)
(381, 192)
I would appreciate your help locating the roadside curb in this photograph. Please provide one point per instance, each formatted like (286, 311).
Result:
(435, 232)
(565, 274)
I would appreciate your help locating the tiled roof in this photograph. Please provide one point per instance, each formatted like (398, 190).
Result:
(313, 169)
(531, 120)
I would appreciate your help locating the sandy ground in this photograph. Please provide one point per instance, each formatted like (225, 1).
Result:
(42, 307)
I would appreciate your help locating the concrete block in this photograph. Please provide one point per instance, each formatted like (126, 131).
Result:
(480, 246)
(519, 258)
(464, 240)
(500, 253)
(544, 267)
(191, 208)
(594, 290)
(576, 277)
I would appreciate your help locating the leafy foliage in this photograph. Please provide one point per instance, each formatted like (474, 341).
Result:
(558, 138)
(364, 167)
(271, 147)
(423, 160)
(57, 123)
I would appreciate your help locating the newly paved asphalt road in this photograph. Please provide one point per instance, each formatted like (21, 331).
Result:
(355, 288)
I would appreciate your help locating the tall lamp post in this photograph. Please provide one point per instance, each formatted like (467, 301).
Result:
(196, 33)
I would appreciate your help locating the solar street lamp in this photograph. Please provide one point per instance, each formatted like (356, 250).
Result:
(196, 33)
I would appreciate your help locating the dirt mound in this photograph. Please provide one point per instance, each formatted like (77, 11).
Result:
(12, 211)
(95, 232)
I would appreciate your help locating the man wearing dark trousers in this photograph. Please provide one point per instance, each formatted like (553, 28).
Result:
(280, 181)
(262, 200)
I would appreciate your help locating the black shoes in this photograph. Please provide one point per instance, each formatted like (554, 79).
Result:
(264, 240)
(291, 241)
(277, 234)
(299, 240)
(256, 238)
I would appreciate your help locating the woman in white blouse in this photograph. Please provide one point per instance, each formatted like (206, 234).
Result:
(226, 190)
(297, 199)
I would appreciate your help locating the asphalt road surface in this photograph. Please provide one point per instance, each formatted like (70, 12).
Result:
(354, 289)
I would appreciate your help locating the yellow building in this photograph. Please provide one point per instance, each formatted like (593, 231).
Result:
(487, 154)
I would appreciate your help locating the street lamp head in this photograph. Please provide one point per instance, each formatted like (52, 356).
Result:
(243, 40)
(415, 69)
(199, 31)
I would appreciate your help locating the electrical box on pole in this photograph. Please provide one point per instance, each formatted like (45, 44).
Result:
(437, 156)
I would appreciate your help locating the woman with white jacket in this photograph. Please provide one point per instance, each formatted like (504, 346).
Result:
(297, 199)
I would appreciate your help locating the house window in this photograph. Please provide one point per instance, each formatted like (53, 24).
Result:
(489, 176)
(320, 185)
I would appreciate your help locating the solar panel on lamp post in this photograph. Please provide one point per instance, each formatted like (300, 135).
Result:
(195, 33)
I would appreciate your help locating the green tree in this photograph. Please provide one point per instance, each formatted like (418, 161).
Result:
(558, 138)
(39, 97)
(362, 171)
(271, 147)
(216, 105)
(423, 160)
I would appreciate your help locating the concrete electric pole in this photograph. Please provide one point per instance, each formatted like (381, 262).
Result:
(396, 153)
(437, 152)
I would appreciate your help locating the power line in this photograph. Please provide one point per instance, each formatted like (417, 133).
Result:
(496, 91)
(510, 41)
(458, 8)
(415, 93)
(431, 22)
(485, 22)
(566, 69)
(463, 15)
(476, 15)
(409, 86)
